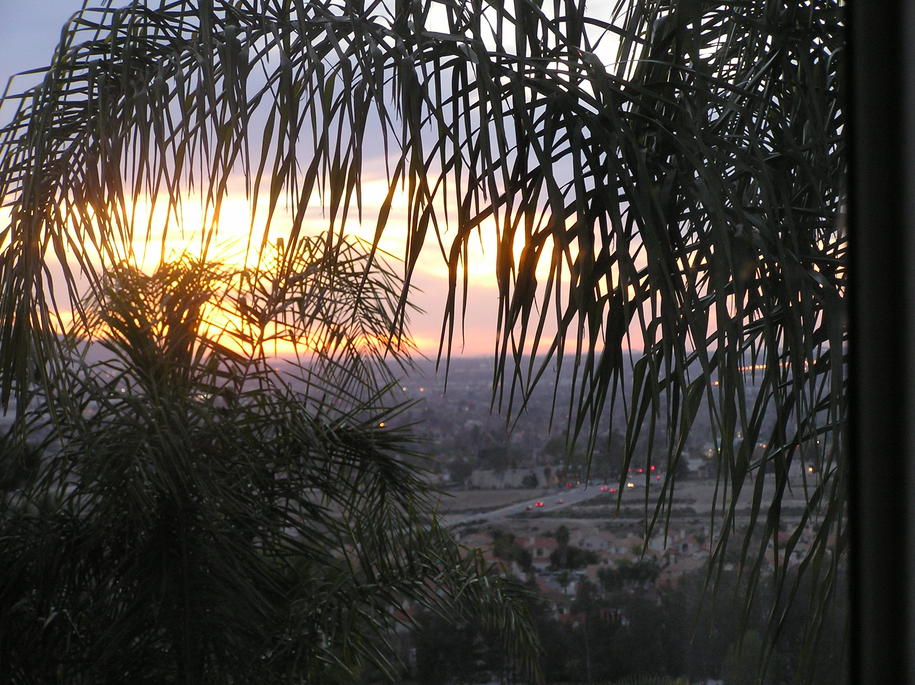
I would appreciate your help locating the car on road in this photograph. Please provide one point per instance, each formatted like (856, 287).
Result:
(560, 501)
(538, 503)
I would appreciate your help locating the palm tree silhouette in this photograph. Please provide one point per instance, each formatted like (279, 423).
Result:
(199, 516)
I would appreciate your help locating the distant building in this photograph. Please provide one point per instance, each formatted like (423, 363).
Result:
(540, 549)
(596, 542)
(558, 603)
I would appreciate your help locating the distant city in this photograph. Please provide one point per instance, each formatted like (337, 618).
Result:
(590, 540)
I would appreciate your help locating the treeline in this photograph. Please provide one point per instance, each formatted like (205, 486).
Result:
(638, 633)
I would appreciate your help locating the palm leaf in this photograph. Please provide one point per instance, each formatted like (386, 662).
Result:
(675, 173)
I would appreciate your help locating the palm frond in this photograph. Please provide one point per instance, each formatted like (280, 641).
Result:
(674, 173)
(200, 516)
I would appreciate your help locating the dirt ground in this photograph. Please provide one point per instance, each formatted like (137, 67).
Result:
(484, 500)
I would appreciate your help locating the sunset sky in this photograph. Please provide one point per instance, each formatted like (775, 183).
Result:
(28, 34)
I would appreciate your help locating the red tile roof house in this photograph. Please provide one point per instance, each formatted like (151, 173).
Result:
(540, 548)
(673, 538)
(676, 565)
(688, 546)
(627, 547)
(483, 543)
(797, 556)
(798, 552)
(558, 603)
(596, 542)
(684, 554)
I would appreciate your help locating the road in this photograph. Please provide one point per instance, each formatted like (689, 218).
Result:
(700, 496)
(569, 497)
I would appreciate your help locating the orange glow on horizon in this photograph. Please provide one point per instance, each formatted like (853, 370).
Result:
(165, 232)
